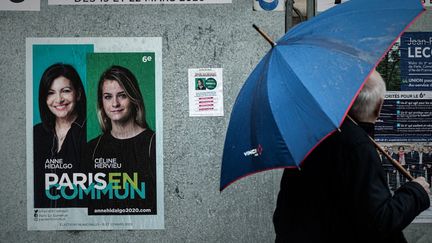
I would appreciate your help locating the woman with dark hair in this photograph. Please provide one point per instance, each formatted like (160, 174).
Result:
(127, 146)
(60, 138)
(200, 85)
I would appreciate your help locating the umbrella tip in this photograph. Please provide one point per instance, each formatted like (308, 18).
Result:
(263, 34)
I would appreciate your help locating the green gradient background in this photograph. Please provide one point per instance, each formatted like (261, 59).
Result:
(97, 63)
(47, 55)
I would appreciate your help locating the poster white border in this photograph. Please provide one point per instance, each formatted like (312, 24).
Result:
(216, 96)
(79, 215)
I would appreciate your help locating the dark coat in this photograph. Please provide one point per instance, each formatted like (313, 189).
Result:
(136, 155)
(341, 195)
(412, 157)
(71, 154)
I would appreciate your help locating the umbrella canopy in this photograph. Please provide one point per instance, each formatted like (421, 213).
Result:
(302, 89)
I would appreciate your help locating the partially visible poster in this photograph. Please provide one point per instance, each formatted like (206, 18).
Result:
(94, 133)
(323, 5)
(406, 116)
(20, 5)
(205, 92)
(416, 61)
(407, 68)
(102, 2)
(269, 5)
(427, 3)
(404, 127)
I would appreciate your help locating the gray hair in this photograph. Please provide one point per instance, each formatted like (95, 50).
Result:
(371, 95)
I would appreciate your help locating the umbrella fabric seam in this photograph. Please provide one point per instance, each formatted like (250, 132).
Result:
(307, 90)
(270, 104)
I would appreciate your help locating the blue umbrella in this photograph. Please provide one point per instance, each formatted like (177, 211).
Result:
(302, 89)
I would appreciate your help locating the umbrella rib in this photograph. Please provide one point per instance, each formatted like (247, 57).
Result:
(309, 93)
(265, 76)
(325, 118)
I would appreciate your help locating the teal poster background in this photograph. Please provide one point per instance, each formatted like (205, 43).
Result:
(47, 55)
(142, 65)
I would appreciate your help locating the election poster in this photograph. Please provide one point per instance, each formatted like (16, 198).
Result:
(427, 3)
(416, 61)
(94, 133)
(404, 127)
(205, 92)
(407, 68)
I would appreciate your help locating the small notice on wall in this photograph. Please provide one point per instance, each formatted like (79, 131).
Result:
(98, 2)
(20, 5)
(205, 92)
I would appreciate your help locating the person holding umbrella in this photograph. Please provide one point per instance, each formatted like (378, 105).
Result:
(340, 194)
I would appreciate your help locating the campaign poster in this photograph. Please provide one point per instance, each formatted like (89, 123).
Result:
(20, 5)
(427, 3)
(406, 115)
(205, 92)
(404, 128)
(94, 133)
(416, 61)
(268, 5)
(103, 2)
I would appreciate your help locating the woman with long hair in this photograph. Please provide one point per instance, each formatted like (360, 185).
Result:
(127, 145)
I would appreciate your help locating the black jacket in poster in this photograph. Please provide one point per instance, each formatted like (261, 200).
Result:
(126, 172)
(341, 195)
(56, 166)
